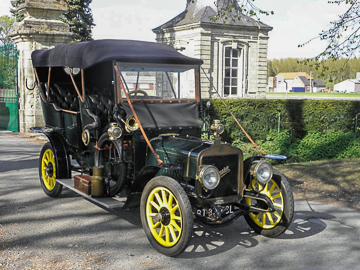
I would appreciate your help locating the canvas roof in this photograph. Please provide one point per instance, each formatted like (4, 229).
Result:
(85, 54)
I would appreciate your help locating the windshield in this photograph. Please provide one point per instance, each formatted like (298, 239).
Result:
(158, 82)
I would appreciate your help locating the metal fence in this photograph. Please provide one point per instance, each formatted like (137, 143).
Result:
(8, 88)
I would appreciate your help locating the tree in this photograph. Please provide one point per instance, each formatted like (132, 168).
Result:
(78, 16)
(343, 36)
(6, 25)
(17, 15)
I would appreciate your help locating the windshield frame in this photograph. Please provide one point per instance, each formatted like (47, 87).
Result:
(118, 88)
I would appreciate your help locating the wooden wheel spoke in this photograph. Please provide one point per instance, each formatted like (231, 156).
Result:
(264, 218)
(270, 218)
(278, 205)
(173, 210)
(154, 204)
(167, 235)
(172, 232)
(175, 225)
(163, 194)
(272, 189)
(276, 196)
(159, 199)
(156, 225)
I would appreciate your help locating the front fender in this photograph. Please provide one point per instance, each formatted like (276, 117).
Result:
(61, 154)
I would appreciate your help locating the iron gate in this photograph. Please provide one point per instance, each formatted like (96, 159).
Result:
(9, 107)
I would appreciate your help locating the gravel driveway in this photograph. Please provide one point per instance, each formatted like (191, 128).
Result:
(69, 232)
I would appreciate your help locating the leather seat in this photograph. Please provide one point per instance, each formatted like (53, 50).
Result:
(63, 96)
(102, 106)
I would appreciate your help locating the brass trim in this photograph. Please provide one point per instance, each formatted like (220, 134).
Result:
(228, 150)
(48, 85)
(75, 86)
(188, 159)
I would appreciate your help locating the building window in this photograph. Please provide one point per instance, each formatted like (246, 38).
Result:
(231, 71)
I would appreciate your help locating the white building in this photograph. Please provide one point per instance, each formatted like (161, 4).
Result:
(234, 54)
(348, 86)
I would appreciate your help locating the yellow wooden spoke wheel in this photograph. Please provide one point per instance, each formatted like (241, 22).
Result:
(279, 192)
(267, 220)
(47, 171)
(166, 215)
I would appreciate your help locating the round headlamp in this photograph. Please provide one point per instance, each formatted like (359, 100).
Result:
(210, 177)
(263, 171)
(115, 132)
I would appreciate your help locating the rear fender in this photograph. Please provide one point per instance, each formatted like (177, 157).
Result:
(61, 154)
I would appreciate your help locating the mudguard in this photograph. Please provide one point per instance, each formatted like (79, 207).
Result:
(61, 154)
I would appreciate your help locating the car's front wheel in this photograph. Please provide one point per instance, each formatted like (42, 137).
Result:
(278, 190)
(166, 215)
(47, 171)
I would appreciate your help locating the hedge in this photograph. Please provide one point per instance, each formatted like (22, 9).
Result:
(330, 123)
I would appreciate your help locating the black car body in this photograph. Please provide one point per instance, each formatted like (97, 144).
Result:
(123, 117)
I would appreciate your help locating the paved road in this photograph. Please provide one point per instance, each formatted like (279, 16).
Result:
(38, 232)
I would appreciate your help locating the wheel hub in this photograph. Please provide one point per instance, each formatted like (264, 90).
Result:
(165, 216)
(49, 169)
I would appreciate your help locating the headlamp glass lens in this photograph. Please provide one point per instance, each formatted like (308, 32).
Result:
(117, 132)
(210, 177)
(264, 172)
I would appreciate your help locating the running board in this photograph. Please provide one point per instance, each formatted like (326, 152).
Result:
(107, 202)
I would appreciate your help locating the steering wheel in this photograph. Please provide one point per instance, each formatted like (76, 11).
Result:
(135, 92)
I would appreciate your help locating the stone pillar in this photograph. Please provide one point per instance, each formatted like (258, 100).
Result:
(40, 29)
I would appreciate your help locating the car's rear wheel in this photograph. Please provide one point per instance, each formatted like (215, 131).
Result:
(47, 171)
(166, 215)
(278, 190)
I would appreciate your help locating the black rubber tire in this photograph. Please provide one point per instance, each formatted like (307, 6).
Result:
(119, 177)
(287, 214)
(56, 191)
(186, 213)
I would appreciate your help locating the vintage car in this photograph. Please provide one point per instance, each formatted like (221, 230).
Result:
(124, 128)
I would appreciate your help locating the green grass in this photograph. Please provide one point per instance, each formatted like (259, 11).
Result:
(324, 95)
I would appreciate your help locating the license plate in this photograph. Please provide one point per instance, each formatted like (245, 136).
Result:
(209, 212)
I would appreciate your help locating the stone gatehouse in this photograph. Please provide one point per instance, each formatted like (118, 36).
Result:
(234, 54)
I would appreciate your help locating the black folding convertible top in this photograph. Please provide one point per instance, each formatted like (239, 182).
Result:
(86, 54)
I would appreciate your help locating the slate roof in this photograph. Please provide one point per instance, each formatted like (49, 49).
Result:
(192, 15)
(304, 80)
(319, 83)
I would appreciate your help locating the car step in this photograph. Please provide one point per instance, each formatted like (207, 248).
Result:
(107, 202)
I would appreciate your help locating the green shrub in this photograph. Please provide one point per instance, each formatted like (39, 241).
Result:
(327, 145)
(299, 117)
(309, 129)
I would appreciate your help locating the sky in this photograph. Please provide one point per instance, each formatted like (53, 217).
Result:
(294, 22)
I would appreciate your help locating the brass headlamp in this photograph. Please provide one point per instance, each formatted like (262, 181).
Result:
(217, 128)
(115, 132)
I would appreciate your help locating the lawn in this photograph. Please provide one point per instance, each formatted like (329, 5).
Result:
(317, 95)
(330, 181)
